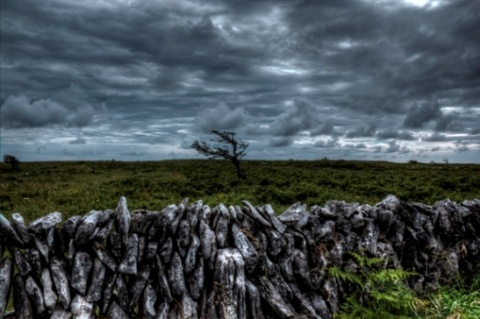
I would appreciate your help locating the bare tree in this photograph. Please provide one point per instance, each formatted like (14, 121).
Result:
(226, 147)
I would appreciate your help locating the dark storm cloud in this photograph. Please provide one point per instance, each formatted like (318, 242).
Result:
(280, 141)
(436, 137)
(419, 115)
(326, 128)
(390, 133)
(299, 116)
(448, 123)
(395, 147)
(276, 70)
(20, 111)
(362, 132)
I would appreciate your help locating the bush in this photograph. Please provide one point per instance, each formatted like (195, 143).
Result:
(375, 292)
(12, 160)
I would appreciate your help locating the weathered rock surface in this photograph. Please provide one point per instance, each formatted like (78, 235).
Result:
(193, 261)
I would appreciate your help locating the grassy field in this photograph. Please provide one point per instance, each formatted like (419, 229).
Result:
(35, 189)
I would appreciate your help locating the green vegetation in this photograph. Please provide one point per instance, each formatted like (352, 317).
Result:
(35, 189)
(375, 292)
(456, 301)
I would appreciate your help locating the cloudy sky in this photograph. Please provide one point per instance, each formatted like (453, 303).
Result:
(142, 79)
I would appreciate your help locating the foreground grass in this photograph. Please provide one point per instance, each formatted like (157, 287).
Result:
(73, 188)
(455, 301)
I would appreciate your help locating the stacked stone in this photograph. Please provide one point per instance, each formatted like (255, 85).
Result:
(192, 261)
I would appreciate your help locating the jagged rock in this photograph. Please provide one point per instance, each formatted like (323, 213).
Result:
(255, 215)
(21, 303)
(98, 277)
(82, 264)
(207, 240)
(190, 258)
(104, 231)
(60, 281)
(105, 257)
(221, 230)
(70, 226)
(121, 293)
(197, 262)
(21, 262)
(296, 216)
(34, 291)
(128, 265)
(162, 281)
(107, 292)
(175, 275)
(115, 311)
(42, 224)
(6, 272)
(61, 314)
(18, 225)
(81, 307)
(274, 300)
(138, 286)
(86, 228)
(141, 220)
(166, 250)
(196, 281)
(49, 296)
(7, 232)
(122, 220)
(149, 299)
(245, 247)
(230, 283)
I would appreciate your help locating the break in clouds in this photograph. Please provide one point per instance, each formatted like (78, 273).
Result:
(354, 79)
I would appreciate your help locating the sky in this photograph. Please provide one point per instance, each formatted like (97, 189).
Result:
(393, 80)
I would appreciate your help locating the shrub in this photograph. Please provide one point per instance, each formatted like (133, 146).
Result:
(375, 292)
(12, 160)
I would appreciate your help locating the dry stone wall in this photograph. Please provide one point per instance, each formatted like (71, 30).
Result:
(194, 261)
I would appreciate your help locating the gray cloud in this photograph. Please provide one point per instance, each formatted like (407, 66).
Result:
(389, 133)
(281, 71)
(19, 111)
(78, 140)
(325, 129)
(394, 147)
(220, 118)
(69, 108)
(435, 137)
(448, 123)
(301, 115)
(362, 132)
(281, 141)
(419, 115)
(330, 143)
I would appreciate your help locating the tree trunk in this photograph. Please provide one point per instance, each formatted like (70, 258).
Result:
(240, 172)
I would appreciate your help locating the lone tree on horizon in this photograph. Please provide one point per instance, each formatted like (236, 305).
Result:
(226, 147)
